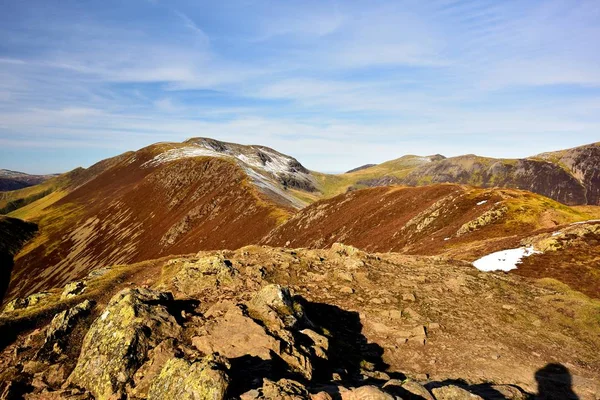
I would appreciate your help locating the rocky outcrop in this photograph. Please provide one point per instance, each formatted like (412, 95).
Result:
(118, 341)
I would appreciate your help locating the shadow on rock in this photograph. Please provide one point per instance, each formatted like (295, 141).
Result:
(350, 354)
(554, 383)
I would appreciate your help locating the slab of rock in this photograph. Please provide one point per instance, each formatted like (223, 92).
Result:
(179, 379)
(206, 272)
(284, 389)
(117, 343)
(144, 376)
(407, 390)
(452, 392)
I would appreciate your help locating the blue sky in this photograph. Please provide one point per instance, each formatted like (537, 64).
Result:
(334, 83)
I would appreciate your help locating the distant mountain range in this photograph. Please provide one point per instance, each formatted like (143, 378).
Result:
(13, 180)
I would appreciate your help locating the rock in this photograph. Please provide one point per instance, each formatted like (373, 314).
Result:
(510, 392)
(407, 390)
(345, 250)
(346, 290)
(236, 335)
(61, 325)
(284, 389)
(346, 276)
(366, 393)
(207, 272)
(22, 303)
(321, 396)
(320, 344)
(157, 358)
(183, 380)
(452, 392)
(73, 289)
(274, 306)
(117, 343)
(250, 395)
(409, 297)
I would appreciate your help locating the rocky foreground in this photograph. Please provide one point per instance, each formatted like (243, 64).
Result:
(268, 323)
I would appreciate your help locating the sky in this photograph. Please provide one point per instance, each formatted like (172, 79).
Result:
(335, 84)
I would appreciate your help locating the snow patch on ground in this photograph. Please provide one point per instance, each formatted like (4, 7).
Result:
(482, 202)
(183, 152)
(504, 260)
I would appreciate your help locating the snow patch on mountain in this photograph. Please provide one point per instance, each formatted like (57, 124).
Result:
(504, 260)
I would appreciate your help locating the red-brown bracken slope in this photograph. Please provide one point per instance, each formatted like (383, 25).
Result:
(136, 210)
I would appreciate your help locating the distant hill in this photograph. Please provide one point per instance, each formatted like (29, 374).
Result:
(13, 180)
(570, 176)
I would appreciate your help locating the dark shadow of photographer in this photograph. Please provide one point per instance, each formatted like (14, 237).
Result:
(555, 383)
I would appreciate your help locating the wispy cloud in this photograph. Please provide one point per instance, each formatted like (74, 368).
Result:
(312, 78)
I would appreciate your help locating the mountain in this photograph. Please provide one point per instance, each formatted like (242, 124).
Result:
(272, 323)
(13, 180)
(569, 176)
(168, 198)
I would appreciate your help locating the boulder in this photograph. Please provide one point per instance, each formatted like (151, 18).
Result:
(206, 272)
(144, 376)
(366, 393)
(61, 325)
(179, 379)
(284, 389)
(407, 390)
(117, 343)
(452, 392)
(275, 307)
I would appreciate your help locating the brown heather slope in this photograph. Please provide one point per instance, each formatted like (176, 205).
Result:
(135, 211)
(455, 221)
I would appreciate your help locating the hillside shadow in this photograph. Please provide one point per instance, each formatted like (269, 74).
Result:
(555, 383)
(6, 267)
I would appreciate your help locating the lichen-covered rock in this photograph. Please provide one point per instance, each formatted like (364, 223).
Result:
(73, 289)
(207, 272)
(487, 218)
(26, 302)
(183, 380)
(61, 325)
(117, 343)
(346, 250)
(275, 307)
(64, 394)
(144, 376)
(452, 392)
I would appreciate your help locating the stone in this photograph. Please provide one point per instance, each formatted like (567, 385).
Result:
(366, 393)
(409, 297)
(206, 272)
(274, 306)
(407, 390)
(61, 326)
(284, 389)
(346, 276)
(118, 341)
(346, 290)
(452, 392)
(180, 379)
(345, 250)
(321, 396)
(157, 358)
(73, 289)
(64, 394)
(510, 392)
